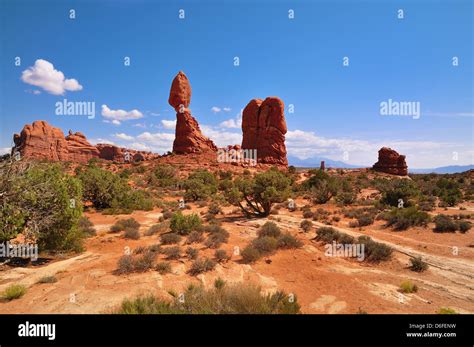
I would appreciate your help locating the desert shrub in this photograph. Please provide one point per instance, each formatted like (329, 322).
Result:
(214, 208)
(395, 190)
(13, 291)
(288, 241)
(219, 283)
(427, 203)
(47, 279)
(86, 227)
(404, 218)
(418, 265)
(143, 262)
(364, 220)
(408, 287)
(308, 214)
(157, 228)
(375, 251)
(213, 229)
(444, 224)
(125, 224)
(306, 225)
(222, 299)
(221, 255)
(192, 253)
(200, 185)
(170, 238)
(195, 237)
(216, 239)
(172, 253)
(106, 190)
(250, 254)
(43, 203)
(201, 265)
(183, 225)
(163, 176)
(265, 244)
(446, 310)
(255, 196)
(125, 265)
(327, 234)
(464, 226)
(133, 234)
(163, 267)
(269, 229)
(321, 186)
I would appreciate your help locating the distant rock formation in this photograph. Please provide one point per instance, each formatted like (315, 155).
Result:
(322, 167)
(264, 129)
(188, 135)
(43, 141)
(391, 162)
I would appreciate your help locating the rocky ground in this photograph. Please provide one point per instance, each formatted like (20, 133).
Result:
(86, 283)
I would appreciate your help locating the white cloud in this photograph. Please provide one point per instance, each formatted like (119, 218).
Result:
(44, 75)
(216, 109)
(168, 124)
(5, 150)
(117, 116)
(124, 137)
(233, 123)
(101, 140)
(139, 147)
(221, 138)
(227, 109)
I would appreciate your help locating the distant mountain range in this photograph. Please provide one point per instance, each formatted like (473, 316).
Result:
(316, 162)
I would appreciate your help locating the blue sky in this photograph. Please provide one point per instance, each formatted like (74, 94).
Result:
(336, 108)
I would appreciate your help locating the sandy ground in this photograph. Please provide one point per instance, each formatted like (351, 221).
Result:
(87, 283)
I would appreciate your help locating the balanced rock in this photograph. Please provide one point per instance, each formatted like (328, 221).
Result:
(264, 129)
(188, 135)
(391, 162)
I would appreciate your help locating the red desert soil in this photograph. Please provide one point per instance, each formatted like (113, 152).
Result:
(87, 283)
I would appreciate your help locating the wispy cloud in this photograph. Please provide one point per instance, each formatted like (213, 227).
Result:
(117, 116)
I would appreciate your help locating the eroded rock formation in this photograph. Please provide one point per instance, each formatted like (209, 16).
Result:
(391, 162)
(264, 129)
(43, 141)
(188, 135)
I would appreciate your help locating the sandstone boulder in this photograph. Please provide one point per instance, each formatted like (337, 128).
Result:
(264, 129)
(391, 162)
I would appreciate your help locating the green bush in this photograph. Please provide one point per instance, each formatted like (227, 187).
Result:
(183, 225)
(446, 310)
(124, 225)
(250, 254)
(221, 255)
(43, 203)
(269, 229)
(194, 237)
(255, 196)
(408, 287)
(464, 226)
(163, 176)
(418, 265)
(222, 299)
(306, 225)
(14, 291)
(163, 267)
(365, 220)
(106, 190)
(288, 241)
(192, 253)
(172, 253)
(375, 251)
(47, 279)
(216, 239)
(170, 238)
(265, 244)
(404, 218)
(132, 234)
(201, 265)
(200, 185)
(444, 224)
